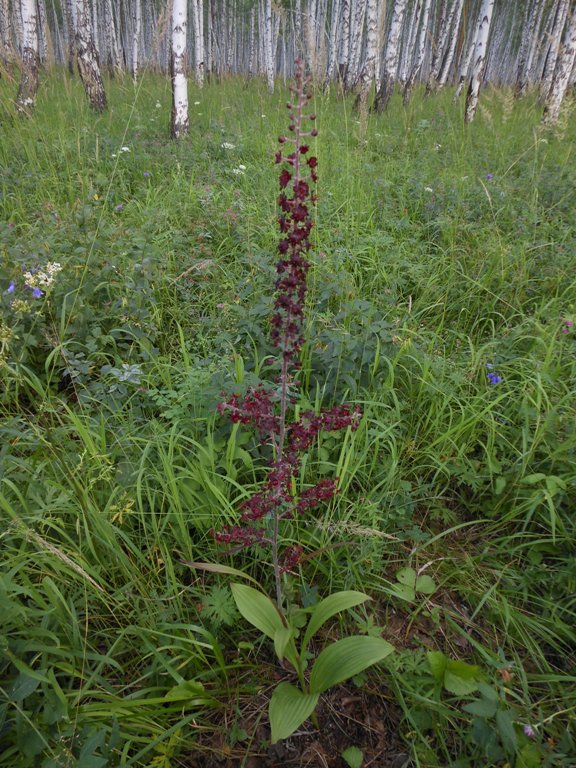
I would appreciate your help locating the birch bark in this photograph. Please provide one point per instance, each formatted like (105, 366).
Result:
(554, 48)
(391, 57)
(484, 22)
(421, 50)
(198, 22)
(562, 74)
(7, 55)
(368, 72)
(179, 120)
(26, 97)
(87, 58)
(136, 27)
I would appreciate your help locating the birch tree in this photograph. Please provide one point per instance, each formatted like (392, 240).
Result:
(198, 22)
(87, 58)
(392, 56)
(527, 55)
(368, 72)
(136, 27)
(554, 48)
(484, 22)
(179, 121)
(26, 97)
(420, 51)
(563, 71)
(6, 32)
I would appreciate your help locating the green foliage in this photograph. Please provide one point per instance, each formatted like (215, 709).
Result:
(337, 662)
(112, 475)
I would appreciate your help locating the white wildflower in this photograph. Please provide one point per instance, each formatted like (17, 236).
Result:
(227, 145)
(242, 167)
(158, 105)
(124, 149)
(196, 103)
(238, 171)
(428, 189)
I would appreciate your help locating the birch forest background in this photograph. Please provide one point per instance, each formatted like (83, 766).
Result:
(287, 377)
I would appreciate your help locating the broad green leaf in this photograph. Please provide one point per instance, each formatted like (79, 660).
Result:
(481, 708)
(258, 609)
(185, 691)
(353, 757)
(328, 607)
(406, 576)
(405, 591)
(346, 658)
(289, 708)
(505, 725)
(438, 663)
(426, 585)
(217, 568)
(282, 637)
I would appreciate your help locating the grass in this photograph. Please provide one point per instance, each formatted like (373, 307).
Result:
(438, 249)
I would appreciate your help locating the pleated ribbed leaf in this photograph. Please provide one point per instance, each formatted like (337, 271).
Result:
(346, 658)
(258, 609)
(330, 606)
(288, 709)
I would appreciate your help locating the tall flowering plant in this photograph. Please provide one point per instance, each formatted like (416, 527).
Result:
(269, 411)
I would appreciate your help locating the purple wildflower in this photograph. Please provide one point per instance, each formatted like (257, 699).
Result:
(119, 207)
(528, 731)
(147, 174)
(11, 288)
(37, 293)
(489, 176)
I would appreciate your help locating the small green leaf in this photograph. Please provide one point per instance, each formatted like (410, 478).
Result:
(405, 592)
(328, 607)
(289, 708)
(481, 707)
(258, 609)
(406, 576)
(217, 568)
(458, 685)
(282, 637)
(505, 725)
(438, 663)
(185, 691)
(353, 757)
(346, 658)
(426, 585)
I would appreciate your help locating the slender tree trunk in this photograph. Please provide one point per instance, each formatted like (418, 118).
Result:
(525, 64)
(70, 11)
(344, 55)
(563, 72)
(368, 72)
(87, 58)
(26, 98)
(449, 55)
(356, 34)
(136, 27)
(386, 90)
(479, 59)
(179, 124)
(554, 49)
(421, 50)
(198, 25)
(7, 54)
(268, 46)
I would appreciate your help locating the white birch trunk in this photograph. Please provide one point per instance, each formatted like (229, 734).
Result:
(179, 122)
(198, 23)
(562, 74)
(420, 53)
(26, 97)
(525, 67)
(268, 49)
(252, 46)
(449, 57)
(333, 42)
(368, 72)
(343, 57)
(7, 54)
(392, 56)
(479, 59)
(356, 33)
(554, 48)
(114, 61)
(87, 58)
(136, 27)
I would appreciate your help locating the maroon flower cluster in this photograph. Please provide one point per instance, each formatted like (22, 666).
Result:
(267, 409)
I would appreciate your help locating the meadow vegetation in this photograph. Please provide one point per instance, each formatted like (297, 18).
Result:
(136, 287)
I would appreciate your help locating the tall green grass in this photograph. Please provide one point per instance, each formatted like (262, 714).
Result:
(439, 249)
